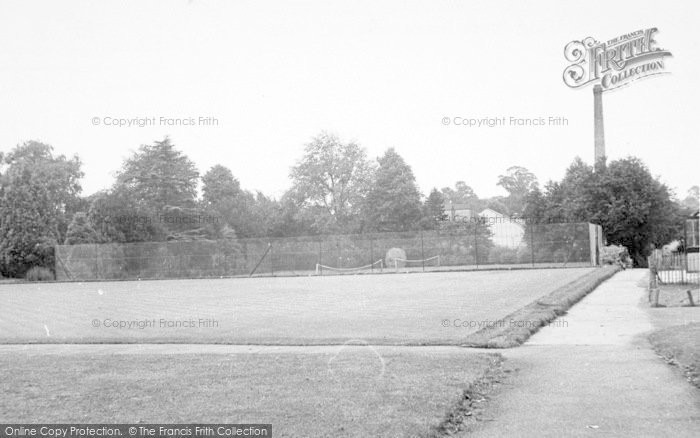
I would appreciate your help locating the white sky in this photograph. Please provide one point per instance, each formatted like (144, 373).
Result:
(383, 73)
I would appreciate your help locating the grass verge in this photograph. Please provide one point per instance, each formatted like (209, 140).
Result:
(680, 346)
(471, 407)
(517, 327)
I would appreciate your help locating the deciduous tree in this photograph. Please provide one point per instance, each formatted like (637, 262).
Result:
(518, 182)
(334, 176)
(634, 209)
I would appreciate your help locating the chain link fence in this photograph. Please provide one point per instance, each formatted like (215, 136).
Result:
(500, 245)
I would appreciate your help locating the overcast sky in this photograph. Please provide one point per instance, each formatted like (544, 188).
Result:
(276, 73)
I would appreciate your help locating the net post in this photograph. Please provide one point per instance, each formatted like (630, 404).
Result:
(371, 254)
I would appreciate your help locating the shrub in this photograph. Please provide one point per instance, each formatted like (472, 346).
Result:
(38, 273)
(615, 255)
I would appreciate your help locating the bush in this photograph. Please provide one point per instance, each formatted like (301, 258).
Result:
(38, 273)
(615, 255)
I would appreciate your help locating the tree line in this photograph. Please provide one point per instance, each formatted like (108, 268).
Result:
(335, 189)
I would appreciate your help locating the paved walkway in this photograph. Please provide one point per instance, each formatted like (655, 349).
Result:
(592, 373)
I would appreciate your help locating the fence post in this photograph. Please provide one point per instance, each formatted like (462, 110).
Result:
(225, 268)
(422, 252)
(598, 239)
(371, 254)
(246, 256)
(476, 245)
(97, 268)
(320, 255)
(532, 244)
(653, 262)
(272, 260)
(340, 260)
(182, 257)
(222, 261)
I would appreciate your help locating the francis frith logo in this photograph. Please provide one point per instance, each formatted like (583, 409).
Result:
(615, 62)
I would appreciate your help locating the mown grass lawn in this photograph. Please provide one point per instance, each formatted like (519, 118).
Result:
(680, 345)
(351, 392)
(380, 309)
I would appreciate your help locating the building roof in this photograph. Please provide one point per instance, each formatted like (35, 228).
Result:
(488, 212)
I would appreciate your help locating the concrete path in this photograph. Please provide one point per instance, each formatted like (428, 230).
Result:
(592, 373)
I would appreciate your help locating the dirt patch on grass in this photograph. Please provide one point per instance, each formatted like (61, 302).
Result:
(680, 346)
(517, 327)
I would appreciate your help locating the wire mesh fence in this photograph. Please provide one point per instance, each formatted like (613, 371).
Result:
(474, 247)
